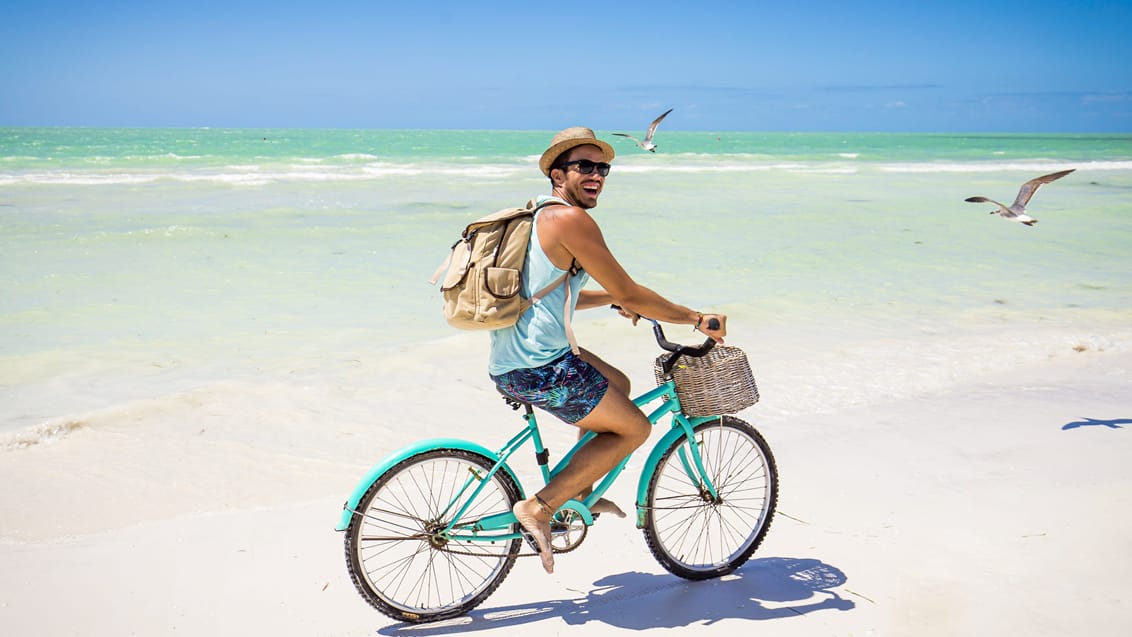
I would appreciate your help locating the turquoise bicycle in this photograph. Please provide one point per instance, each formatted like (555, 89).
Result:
(430, 533)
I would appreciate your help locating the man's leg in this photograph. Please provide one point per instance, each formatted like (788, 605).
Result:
(620, 427)
(619, 382)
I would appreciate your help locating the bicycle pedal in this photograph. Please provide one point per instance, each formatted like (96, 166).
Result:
(530, 538)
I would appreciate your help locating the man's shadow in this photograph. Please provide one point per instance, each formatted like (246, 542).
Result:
(766, 588)
(1093, 422)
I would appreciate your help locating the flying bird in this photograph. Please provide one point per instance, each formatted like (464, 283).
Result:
(647, 143)
(1017, 210)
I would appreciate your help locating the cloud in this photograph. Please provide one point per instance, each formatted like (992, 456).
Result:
(870, 88)
(1098, 97)
(1106, 98)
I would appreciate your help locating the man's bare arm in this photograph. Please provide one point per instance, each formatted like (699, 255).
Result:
(574, 232)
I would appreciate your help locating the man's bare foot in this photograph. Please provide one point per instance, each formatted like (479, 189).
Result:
(607, 506)
(529, 513)
(602, 505)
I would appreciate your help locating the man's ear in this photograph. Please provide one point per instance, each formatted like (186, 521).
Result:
(557, 176)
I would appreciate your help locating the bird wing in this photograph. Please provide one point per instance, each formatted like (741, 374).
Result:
(630, 137)
(652, 127)
(1030, 187)
(1002, 210)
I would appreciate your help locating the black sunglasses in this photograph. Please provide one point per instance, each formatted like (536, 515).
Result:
(586, 166)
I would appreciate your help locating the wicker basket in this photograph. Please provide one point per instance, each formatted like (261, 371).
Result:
(719, 383)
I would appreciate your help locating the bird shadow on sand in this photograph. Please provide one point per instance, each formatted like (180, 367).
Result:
(766, 588)
(1114, 423)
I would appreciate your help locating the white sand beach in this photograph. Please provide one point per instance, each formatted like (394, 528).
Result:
(202, 352)
(998, 506)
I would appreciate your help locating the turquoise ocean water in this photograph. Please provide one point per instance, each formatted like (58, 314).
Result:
(137, 263)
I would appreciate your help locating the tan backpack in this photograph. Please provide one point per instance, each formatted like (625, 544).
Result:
(483, 273)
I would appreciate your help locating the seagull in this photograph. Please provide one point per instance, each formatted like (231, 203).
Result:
(1017, 210)
(647, 144)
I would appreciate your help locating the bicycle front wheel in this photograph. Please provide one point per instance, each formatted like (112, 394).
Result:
(398, 557)
(695, 535)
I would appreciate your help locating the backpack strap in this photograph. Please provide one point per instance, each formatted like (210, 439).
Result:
(443, 267)
(570, 338)
(564, 279)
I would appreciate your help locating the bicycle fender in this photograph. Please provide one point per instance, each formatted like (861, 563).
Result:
(650, 468)
(404, 453)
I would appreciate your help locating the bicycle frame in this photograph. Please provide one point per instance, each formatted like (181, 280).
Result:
(498, 526)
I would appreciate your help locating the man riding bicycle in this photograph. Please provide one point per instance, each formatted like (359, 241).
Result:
(533, 361)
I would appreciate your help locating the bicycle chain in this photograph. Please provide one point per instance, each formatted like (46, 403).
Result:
(471, 554)
(556, 551)
(428, 539)
(445, 548)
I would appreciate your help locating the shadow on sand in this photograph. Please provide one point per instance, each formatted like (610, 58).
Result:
(766, 588)
(1115, 423)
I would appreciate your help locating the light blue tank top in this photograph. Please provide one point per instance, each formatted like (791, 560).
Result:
(539, 336)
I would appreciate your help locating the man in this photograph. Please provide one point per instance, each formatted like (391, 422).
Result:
(532, 361)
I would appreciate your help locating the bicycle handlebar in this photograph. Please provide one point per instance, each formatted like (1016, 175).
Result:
(677, 349)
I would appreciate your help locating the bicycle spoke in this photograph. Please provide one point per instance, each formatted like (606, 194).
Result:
(694, 534)
(398, 551)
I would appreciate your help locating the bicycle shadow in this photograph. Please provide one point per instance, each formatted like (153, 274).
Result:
(763, 589)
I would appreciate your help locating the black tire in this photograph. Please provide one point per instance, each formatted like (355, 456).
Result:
(397, 561)
(689, 533)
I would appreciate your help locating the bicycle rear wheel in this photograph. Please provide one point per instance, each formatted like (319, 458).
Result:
(694, 535)
(397, 558)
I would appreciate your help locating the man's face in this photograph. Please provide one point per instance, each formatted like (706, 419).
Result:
(582, 190)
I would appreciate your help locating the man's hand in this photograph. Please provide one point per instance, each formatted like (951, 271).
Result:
(629, 314)
(705, 326)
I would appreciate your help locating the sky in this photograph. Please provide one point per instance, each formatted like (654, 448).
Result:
(959, 66)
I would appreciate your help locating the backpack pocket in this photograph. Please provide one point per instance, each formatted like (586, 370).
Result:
(503, 282)
(497, 303)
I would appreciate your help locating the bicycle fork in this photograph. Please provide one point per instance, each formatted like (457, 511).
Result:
(690, 454)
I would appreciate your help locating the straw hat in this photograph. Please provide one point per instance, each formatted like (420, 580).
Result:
(567, 139)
